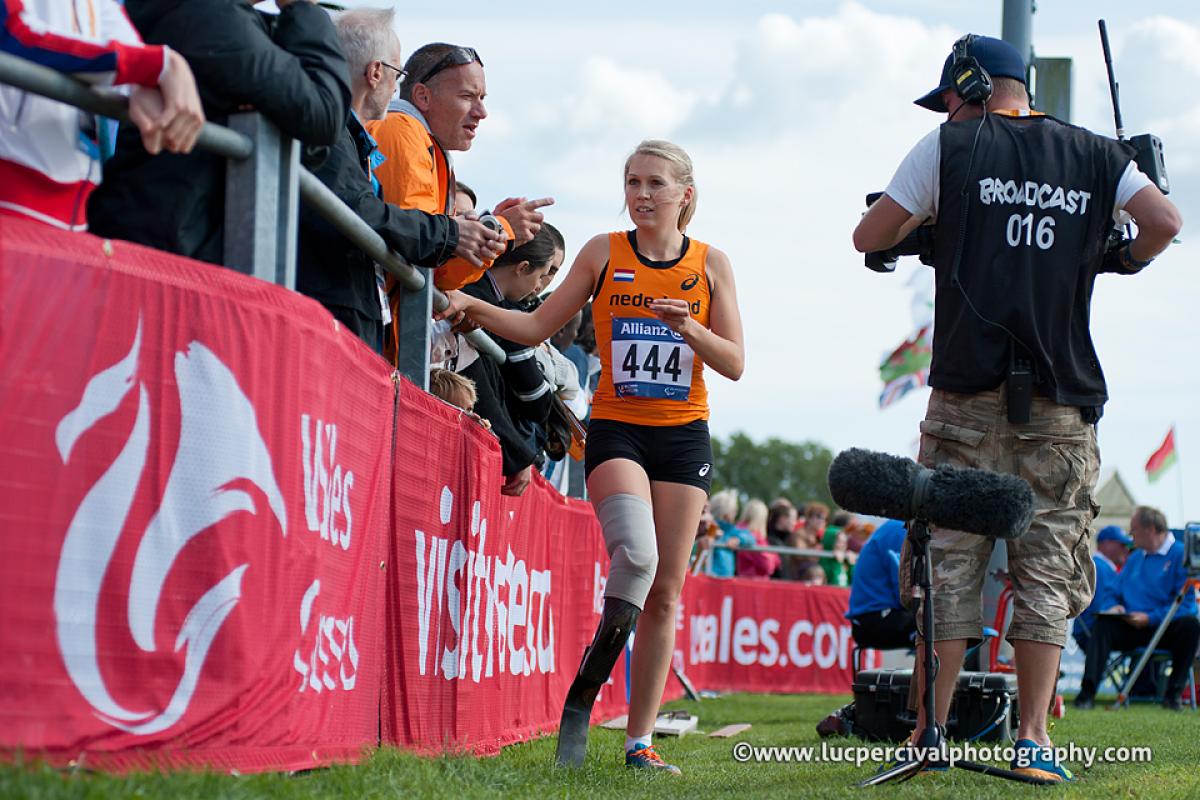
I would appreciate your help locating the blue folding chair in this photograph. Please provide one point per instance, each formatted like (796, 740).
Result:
(1121, 664)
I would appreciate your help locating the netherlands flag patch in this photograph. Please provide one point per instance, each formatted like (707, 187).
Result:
(623, 276)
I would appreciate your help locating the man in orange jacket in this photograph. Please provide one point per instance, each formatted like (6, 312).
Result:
(439, 108)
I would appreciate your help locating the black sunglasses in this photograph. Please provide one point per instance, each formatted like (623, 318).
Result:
(459, 56)
(400, 73)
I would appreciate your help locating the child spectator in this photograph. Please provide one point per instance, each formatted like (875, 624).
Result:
(813, 575)
(455, 389)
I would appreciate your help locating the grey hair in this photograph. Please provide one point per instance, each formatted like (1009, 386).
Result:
(365, 35)
(724, 505)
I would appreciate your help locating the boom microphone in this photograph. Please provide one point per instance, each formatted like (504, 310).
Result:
(971, 500)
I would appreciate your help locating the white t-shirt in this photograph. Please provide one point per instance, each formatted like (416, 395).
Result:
(916, 184)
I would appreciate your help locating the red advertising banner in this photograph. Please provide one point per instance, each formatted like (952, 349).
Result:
(229, 539)
(193, 504)
(765, 636)
(491, 599)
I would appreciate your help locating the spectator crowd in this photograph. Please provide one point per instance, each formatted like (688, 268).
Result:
(377, 129)
(727, 543)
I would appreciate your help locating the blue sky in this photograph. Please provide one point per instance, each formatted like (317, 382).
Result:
(791, 112)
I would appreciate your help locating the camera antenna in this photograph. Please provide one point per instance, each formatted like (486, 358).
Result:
(1113, 87)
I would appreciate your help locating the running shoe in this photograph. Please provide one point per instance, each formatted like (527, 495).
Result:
(1036, 761)
(647, 758)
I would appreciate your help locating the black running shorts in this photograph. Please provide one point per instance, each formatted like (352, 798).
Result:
(671, 453)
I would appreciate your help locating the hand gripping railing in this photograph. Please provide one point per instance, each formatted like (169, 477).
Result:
(260, 229)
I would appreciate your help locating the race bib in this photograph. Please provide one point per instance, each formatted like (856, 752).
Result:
(650, 360)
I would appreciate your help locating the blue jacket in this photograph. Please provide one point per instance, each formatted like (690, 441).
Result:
(876, 582)
(724, 561)
(1149, 583)
(1105, 597)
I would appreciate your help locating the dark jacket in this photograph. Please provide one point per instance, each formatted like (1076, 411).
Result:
(331, 269)
(516, 446)
(528, 394)
(290, 68)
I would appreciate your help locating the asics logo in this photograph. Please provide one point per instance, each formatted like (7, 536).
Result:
(704, 470)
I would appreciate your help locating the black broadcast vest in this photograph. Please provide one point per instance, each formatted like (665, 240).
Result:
(1039, 202)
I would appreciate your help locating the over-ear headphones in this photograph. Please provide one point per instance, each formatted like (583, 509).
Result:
(970, 80)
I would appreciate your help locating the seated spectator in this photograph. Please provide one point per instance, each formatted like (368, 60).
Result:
(330, 268)
(290, 69)
(1146, 587)
(438, 109)
(877, 617)
(1112, 550)
(750, 532)
(724, 507)
(46, 173)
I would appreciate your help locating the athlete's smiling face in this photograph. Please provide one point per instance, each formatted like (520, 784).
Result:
(653, 195)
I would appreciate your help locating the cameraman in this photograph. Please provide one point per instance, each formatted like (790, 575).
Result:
(1021, 206)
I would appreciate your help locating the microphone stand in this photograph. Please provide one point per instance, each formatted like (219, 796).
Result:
(930, 743)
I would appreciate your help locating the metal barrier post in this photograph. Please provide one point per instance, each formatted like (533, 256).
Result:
(415, 334)
(261, 201)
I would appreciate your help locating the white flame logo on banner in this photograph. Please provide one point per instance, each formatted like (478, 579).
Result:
(219, 442)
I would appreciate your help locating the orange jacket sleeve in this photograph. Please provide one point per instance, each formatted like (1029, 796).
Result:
(457, 273)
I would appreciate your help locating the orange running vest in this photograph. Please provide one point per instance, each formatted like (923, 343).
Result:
(649, 375)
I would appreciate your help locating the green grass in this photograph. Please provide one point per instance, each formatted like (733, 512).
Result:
(709, 769)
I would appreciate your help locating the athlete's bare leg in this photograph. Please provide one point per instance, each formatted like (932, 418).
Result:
(677, 509)
(617, 476)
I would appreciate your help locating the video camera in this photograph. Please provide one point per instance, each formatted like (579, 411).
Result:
(1191, 549)
(918, 243)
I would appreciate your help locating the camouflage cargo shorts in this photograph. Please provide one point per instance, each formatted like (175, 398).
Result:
(1051, 569)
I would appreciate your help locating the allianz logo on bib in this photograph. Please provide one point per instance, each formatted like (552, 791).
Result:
(220, 454)
(640, 300)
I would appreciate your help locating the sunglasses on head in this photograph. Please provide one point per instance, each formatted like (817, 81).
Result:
(459, 56)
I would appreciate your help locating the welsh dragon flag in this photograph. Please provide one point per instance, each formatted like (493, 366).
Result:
(906, 368)
(1163, 458)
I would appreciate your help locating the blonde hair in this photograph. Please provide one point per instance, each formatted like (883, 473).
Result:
(681, 170)
(724, 505)
(451, 386)
(754, 516)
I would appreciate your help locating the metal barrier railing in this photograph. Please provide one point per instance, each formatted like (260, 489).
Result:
(701, 558)
(263, 182)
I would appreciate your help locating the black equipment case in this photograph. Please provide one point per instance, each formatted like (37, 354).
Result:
(984, 706)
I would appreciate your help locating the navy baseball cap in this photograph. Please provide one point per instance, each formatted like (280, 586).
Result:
(998, 57)
(1113, 533)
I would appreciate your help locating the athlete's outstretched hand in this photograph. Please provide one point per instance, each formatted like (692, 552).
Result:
(458, 303)
(673, 312)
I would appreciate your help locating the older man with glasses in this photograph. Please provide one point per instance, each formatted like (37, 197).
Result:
(439, 108)
(331, 269)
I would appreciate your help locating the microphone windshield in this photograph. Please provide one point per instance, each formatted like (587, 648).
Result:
(963, 499)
